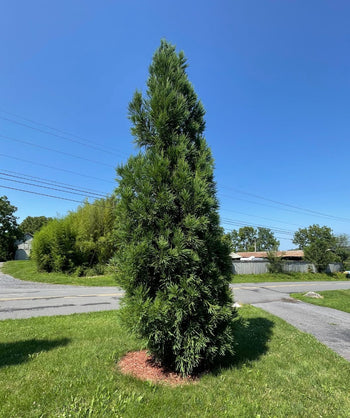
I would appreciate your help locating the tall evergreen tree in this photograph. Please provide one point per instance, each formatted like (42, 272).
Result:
(172, 259)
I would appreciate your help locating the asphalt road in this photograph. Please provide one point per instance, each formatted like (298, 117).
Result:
(330, 326)
(21, 299)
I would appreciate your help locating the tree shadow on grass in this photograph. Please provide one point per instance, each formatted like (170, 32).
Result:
(251, 338)
(19, 352)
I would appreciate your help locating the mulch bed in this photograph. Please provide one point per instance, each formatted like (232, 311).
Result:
(140, 364)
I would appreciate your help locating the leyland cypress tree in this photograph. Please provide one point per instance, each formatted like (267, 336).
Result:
(172, 259)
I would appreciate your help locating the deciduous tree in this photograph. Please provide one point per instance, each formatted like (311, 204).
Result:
(248, 238)
(266, 240)
(32, 224)
(318, 243)
(8, 229)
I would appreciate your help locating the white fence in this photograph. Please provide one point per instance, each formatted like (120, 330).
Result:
(250, 267)
(298, 267)
(261, 266)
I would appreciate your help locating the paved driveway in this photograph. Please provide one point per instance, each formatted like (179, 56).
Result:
(329, 326)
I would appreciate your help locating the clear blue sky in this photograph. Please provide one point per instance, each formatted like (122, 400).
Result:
(274, 77)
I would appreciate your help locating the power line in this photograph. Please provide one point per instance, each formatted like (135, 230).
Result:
(46, 181)
(56, 168)
(68, 190)
(242, 223)
(96, 146)
(41, 194)
(224, 221)
(47, 187)
(346, 220)
(257, 203)
(94, 194)
(86, 142)
(21, 141)
(299, 208)
(259, 217)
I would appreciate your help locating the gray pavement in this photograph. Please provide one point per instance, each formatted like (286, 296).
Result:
(330, 326)
(22, 299)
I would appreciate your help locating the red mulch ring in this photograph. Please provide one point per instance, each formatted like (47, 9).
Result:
(140, 364)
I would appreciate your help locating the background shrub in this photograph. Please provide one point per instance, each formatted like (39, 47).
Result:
(79, 241)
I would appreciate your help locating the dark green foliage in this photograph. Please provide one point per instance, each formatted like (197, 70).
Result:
(172, 259)
(342, 249)
(318, 243)
(9, 231)
(32, 224)
(80, 241)
(248, 238)
(266, 240)
(244, 239)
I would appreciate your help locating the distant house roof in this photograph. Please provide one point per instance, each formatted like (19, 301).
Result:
(293, 254)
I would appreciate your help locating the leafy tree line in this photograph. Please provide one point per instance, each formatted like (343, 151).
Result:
(321, 246)
(248, 238)
(80, 242)
(32, 224)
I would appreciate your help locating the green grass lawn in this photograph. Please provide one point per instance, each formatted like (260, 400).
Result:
(286, 277)
(26, 270)
(336, 299)
(65, 366)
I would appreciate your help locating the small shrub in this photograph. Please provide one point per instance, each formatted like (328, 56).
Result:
(275, 263)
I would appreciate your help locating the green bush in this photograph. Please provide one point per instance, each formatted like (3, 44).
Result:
(54, 246)
(78, 242)
(275, 263)
(93, 225)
